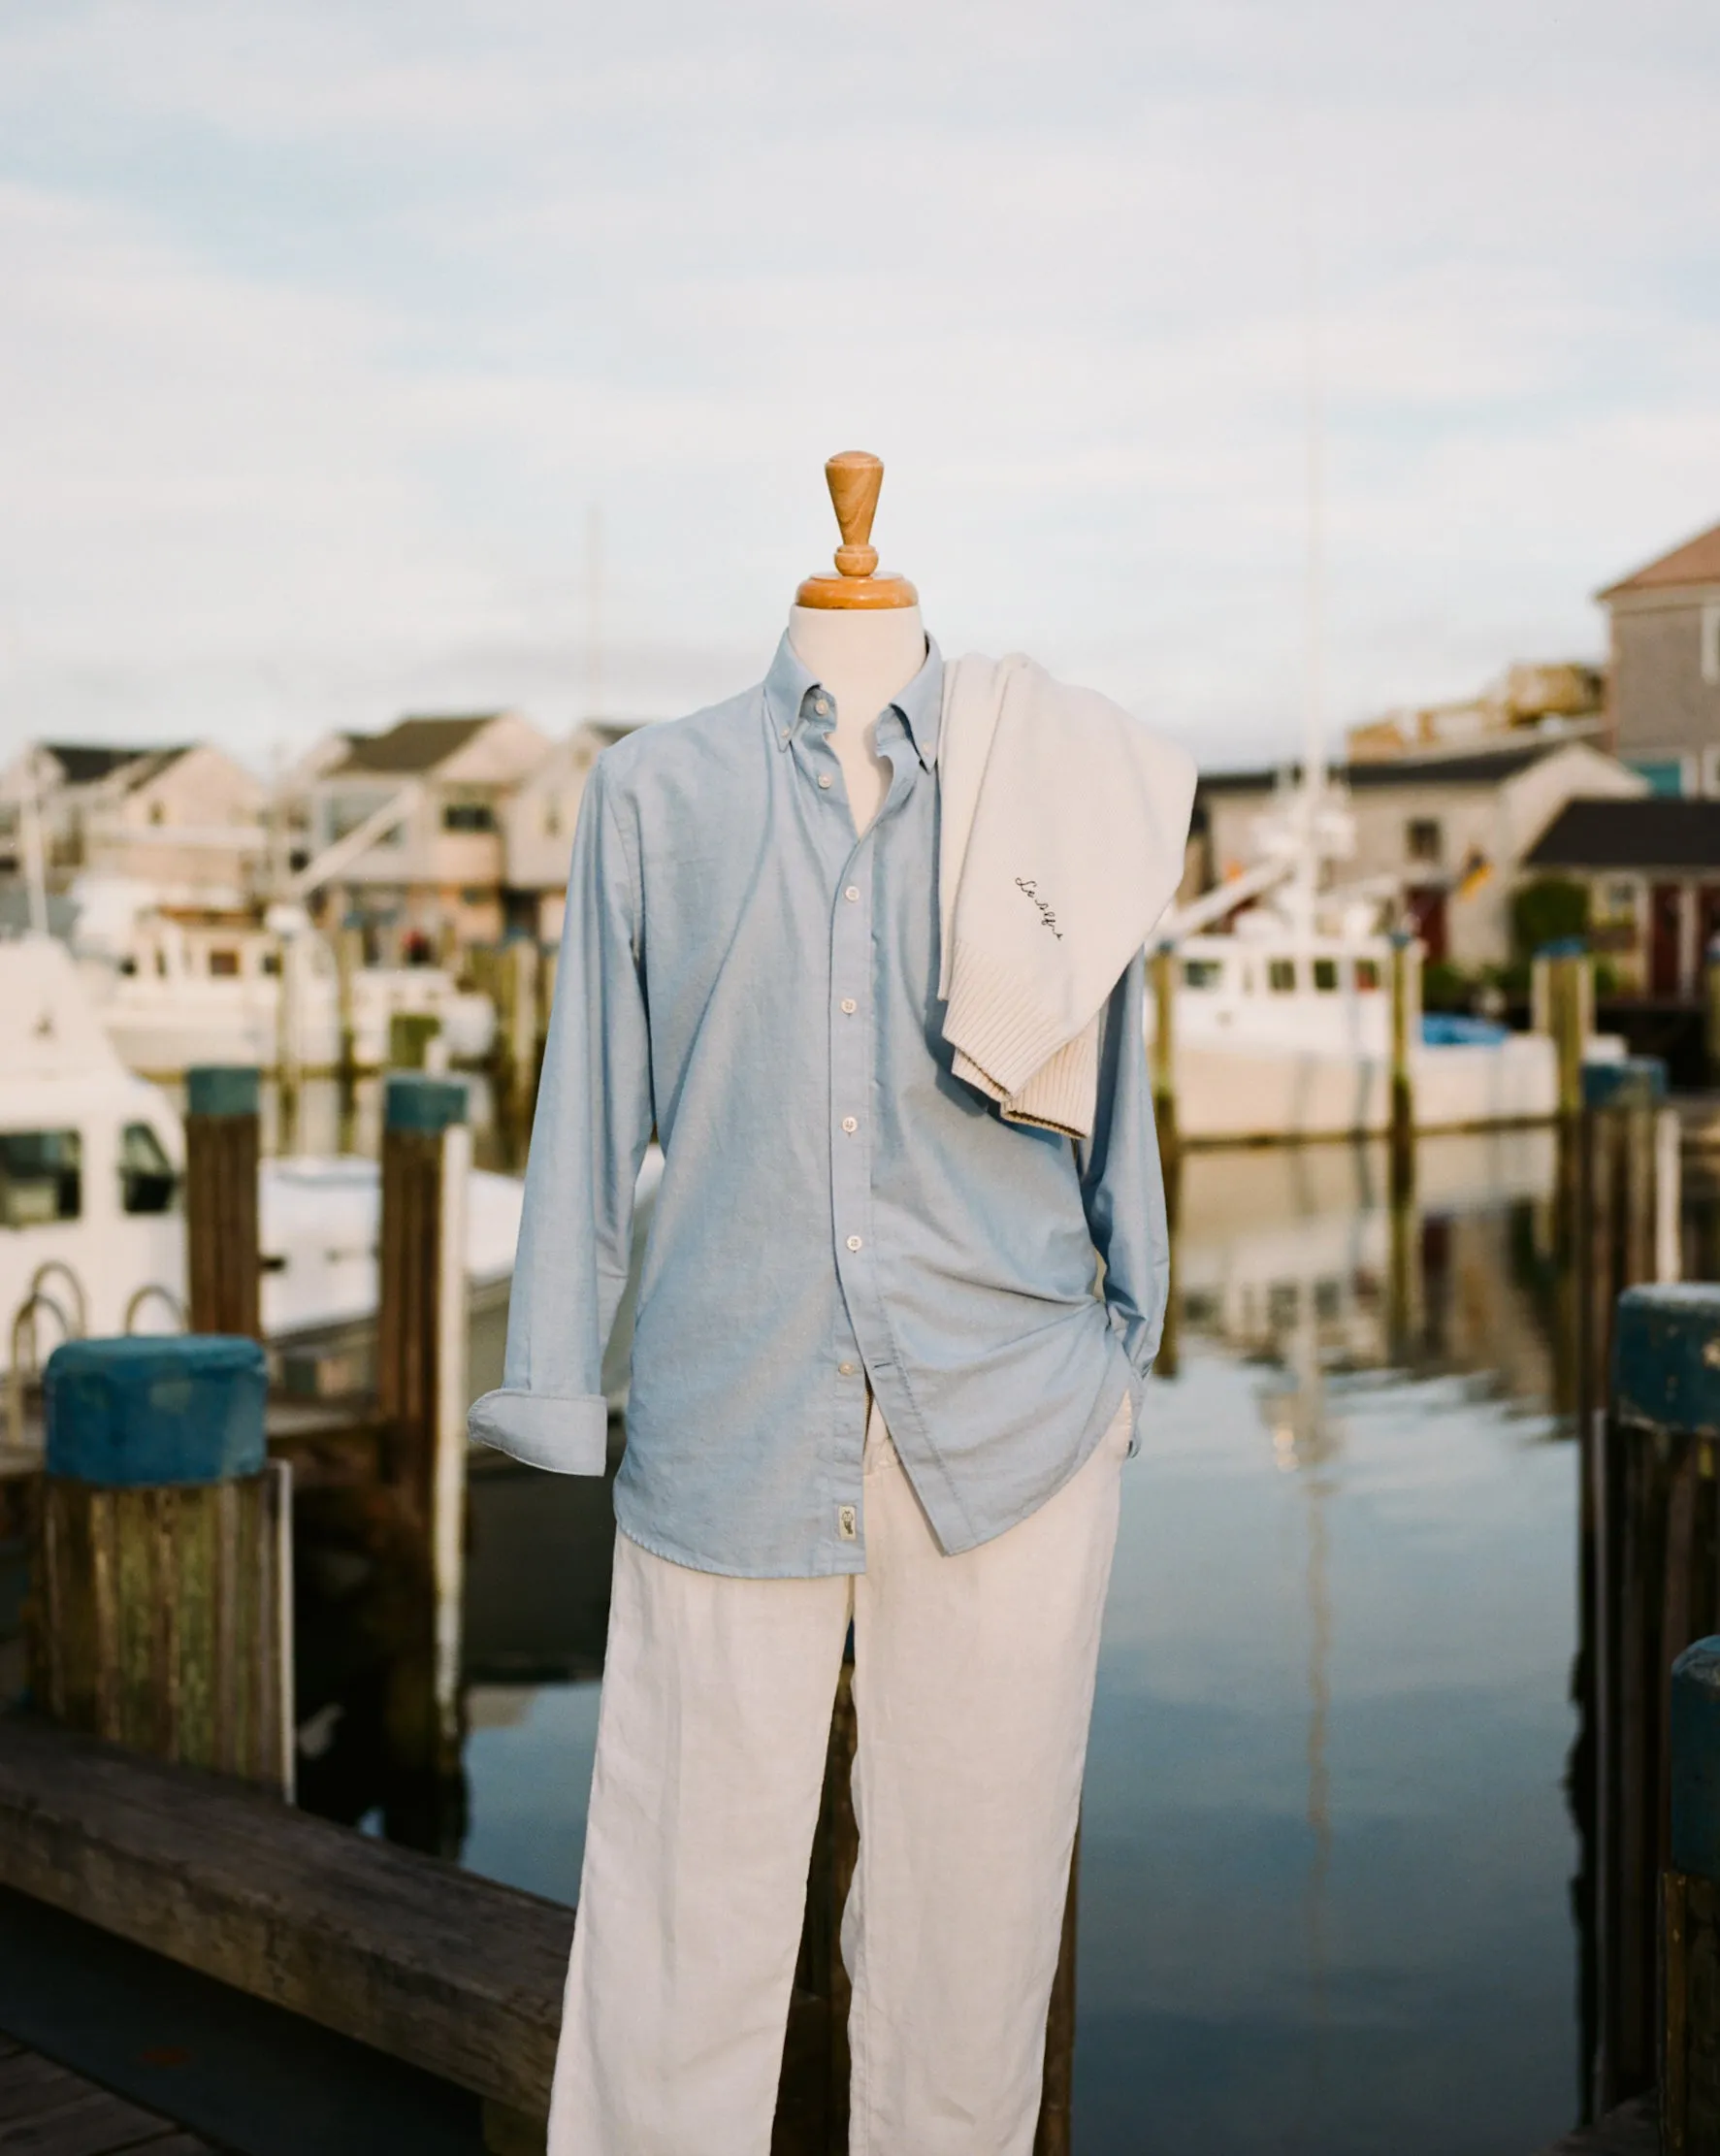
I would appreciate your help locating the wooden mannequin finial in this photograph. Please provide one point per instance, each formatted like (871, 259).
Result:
(855, 476)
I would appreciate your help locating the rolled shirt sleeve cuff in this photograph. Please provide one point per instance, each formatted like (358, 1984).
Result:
(569, 1434)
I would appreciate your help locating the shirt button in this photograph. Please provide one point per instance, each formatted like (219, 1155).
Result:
(852, 894)
(849, 1124)
(844, 1369)
(821, 704)
(848, 1006)
(853, 1242)
(824, 779)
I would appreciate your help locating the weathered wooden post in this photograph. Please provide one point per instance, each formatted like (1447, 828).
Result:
(162, 1585)
(409, 1035)
(1405, 1036)
(1562, 1004)
(1162, 974)
(1627, 1188)
(1711, 982)
(1657, 1590)
(349, 957)
(1690, 1917)
(223, 1265)
(422, 1396)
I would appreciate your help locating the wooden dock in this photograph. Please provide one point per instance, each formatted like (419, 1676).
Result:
(1633, 2130)
(47, 2111)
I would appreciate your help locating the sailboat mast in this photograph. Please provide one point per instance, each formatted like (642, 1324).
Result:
(1314, 740)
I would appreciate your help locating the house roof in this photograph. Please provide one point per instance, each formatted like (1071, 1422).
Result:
(413, 744)
(1471, 768)
(1649, 831)
(86, 761)
(1696, 562)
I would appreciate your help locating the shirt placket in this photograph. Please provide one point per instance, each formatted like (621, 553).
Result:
(861, 1341)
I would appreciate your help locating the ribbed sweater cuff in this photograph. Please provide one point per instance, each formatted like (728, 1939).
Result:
(1062, 1094)
(992, 1022)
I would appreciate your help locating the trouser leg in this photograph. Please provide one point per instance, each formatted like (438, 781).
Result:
(973, 1690)
(710, 1761)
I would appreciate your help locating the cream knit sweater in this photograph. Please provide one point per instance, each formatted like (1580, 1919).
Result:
(1064, 822)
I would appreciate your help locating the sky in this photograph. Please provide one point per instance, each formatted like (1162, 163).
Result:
(357, 359)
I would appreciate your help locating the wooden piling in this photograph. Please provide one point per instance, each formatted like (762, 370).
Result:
(1406, 1032)
(1711, 986)
(1562, 1004)
(1163, 975)
(350, 955)
(1690, 1920)
(1657, 1590)
(223, 1263)
(422, 1398)
(409, 1035)
(161, 1609)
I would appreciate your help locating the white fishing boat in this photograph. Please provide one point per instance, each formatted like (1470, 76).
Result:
(92, 1236)
(174, 992)
(1281, 1025)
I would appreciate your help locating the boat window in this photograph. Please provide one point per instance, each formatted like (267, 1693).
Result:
(41, 1177)
(1202, 973)
(1281, 976)
(1367, 976)
(1325, 976)
(147, 1179)
(223, 965)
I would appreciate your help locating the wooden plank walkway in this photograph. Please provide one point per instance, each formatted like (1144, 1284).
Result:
(46, 2111)
(1633, 2130)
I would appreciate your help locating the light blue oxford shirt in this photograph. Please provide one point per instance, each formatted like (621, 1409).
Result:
(741, 970)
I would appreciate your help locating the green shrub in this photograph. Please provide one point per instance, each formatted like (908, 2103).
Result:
(1543, 911)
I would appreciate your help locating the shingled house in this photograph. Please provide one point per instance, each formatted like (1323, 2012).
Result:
(1652, 868)
(1664, 694)
(435, 876)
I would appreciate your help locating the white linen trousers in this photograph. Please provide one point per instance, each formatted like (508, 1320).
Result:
(973, 1688)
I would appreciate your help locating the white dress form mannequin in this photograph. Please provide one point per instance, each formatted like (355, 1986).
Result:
(861, 635)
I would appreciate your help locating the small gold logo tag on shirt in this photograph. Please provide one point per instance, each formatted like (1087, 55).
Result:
(848, 1523)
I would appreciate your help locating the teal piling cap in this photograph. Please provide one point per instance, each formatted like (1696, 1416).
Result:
(153, 1409)
(414, 1102)
(1563, 947)
(1626, 1082)
(222, 1090)
(1665, 1357)
(1696, 1760)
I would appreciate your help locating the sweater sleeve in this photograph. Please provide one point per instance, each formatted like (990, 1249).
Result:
(593, 1123)
(1122, 1185)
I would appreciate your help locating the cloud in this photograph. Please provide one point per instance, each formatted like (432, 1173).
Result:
(326, 326)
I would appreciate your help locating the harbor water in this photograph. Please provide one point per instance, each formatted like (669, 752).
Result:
(1328, 1897)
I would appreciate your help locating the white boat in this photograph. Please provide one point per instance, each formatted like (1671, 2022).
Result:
(173, 993)
(1281, 1033)
(1280, 1028)
(92, 1237)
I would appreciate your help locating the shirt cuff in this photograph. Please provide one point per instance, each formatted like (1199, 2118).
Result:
(569, 1434)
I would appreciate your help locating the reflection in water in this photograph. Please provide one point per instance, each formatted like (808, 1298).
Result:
(1325, 1846)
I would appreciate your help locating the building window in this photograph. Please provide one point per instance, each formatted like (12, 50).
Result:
(1202, 973)
(147, 1179)
(1281, 976)
(41, 1177)
(475, 895)
(468, 816)
(1712, 645)
(223, 965)
(347, 811)
(1325, 976)
(157, 812)
(1423, 839)
(1367, 976)
(552, 820)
